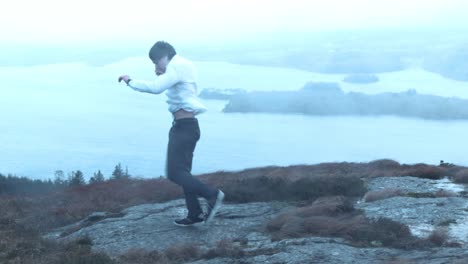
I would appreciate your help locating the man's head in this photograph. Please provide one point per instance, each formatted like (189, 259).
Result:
(161, 53)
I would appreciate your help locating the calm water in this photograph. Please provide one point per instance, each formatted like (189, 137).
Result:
(82, 119)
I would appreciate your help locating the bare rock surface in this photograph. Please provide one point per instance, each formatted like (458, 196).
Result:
(150, 227)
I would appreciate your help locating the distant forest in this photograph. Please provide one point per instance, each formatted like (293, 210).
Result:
(17, 185)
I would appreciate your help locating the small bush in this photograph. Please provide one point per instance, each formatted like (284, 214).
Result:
(387, 232)
(461, 176)
(225, 248)
(373, 196)
(340, 220)
(384, 164)
(181, 253)
(424, 171)
(439, 236)
(445, 193)
(140, 256)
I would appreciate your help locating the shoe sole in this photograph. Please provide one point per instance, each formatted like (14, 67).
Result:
(219, 202)
(195, 224)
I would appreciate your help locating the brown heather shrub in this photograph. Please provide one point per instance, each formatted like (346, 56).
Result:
(425, 171)
(77, 253)
(439, 236)
(340, 221)
(32, 249)
(225, 248)
(140, 256)
(181, 253)
(373, 196)
(263, 188)
(75, 203)
(312, 181)
(397, 260)
(385, 231)
(461, 176)
(385, 164)
(328, 205)
(445, 193)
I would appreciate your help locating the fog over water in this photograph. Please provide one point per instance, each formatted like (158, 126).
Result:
(61, 107)
(69, 123)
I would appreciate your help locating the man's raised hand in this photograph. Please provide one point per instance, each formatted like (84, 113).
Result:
(124, 78)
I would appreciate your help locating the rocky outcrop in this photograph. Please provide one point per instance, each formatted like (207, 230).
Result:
(149, 227)
(422, 205)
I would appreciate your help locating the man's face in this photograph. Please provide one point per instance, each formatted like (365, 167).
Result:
(160, 65)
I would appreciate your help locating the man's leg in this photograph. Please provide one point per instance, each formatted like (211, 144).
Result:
(182, 141)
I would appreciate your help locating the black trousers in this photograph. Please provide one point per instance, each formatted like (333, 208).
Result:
(183, 138)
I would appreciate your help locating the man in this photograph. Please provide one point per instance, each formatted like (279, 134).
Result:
(177, 77)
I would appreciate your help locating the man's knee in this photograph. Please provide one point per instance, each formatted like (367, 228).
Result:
(175, 174)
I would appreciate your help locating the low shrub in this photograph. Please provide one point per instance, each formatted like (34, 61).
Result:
(373, 196)
(461, 176)
(342, 220)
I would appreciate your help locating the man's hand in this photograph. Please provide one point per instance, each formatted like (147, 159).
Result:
(124, 78)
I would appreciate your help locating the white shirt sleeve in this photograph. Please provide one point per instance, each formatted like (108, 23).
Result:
(159, 85)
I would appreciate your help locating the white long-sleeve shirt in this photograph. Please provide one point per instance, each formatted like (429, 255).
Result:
(180, 83)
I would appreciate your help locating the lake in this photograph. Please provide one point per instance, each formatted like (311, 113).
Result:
(77, 117)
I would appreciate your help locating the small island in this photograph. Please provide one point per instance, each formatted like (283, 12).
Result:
(328, 99)
(219, 94)
(361, 78)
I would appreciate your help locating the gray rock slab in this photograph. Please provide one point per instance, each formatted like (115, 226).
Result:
(422, 215)
(337, 251)
(150, 226)
(413, 184)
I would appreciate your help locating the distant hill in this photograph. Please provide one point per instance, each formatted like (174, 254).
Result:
(344, 52)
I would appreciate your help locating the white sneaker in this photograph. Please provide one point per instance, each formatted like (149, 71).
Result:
(214, 205)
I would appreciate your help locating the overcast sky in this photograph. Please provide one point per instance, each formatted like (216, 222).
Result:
(62, 21)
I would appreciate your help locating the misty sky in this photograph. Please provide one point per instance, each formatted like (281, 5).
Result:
(58, 21)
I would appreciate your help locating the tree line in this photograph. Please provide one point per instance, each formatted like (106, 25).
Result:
(14, 185)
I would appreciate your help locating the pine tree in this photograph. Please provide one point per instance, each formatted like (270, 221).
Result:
(59, 178)
(126, 175)
(98, 177)
(118, 172)
(76, 178)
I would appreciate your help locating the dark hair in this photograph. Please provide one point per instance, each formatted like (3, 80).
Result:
(161, 49)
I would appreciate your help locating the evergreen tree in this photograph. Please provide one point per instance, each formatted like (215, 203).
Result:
(59, 178)
(98, 177)
(76, 178)
(118, 172)
(126, 175)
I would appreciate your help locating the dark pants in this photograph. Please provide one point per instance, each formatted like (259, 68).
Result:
(183, 138)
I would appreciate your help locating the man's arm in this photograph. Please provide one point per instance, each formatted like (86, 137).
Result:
(162, 82)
